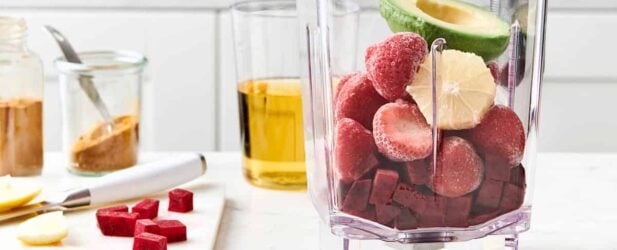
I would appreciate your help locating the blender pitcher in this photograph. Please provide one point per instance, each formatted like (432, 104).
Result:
(433, 138)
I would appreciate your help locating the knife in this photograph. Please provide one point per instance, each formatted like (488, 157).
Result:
(137, 181)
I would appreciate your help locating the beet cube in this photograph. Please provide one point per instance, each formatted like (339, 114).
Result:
(146, 225)
(148, 241)
(368, 213)
(513, 197)
(180, 200)
(457, 211)
(119, 208)
(357, 196)
(386, 213)
(417, 172)
(434, 213)
(116, 223)
(482, 218)
(406, 220)
(147, 209)
(495, 169)
(383, 186)
(517, 176)
(410, 198)
(174, 230)
(489, 195)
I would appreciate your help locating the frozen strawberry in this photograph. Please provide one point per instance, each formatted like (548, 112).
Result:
(383, 186)
(501, 134)
(386, 213)
(357, 196)
(119, 208)
(517, 176)
(343, 81)
(406, 220)
(457, 211)
(496, 169)
(368, 213)
(494, 68)
(434, 213)
(512, 199)
(489, 195)
(146, 225)
(416, 172)
(410, 198)
(149, 241)
(180, 200)
(393, 63)
(358, 100)
(459, 169)
(401, 132)
(147, 209)
(173, 230)
(116, 223)
(354, 150)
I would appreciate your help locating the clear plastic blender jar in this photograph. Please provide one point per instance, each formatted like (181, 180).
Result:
(432, 137)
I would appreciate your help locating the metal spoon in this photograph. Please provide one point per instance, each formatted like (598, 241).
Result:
(84, 81)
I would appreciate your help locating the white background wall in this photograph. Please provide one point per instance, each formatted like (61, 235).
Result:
(189, 97)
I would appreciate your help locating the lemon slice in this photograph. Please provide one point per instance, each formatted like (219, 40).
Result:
(465, 89)
(44, 229)
(12, 196)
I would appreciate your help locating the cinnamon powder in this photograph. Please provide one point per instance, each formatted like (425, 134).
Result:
(21, 136)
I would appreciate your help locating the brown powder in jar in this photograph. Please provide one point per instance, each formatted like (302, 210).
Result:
(21, 136)
(97, 150)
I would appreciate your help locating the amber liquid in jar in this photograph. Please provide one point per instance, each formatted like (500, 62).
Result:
(272, 134)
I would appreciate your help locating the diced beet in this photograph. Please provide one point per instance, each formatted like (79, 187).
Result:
(383, 186)
(434, 213)
(410, 198)
(146, 225)
(368, 213)
(174, 230)
(517, 176)
(457, 211)
(149, 241)
(147, 209)
(489, 195)
(180, 200)
(116, 223)
(495, 169)
(481, 218)
(354, 151)
(417, 172)
(512, 199)
(119, 208)
(357, 196)
(406, 220)
(386, 213)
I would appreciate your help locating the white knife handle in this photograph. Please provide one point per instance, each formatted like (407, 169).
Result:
(148, 178)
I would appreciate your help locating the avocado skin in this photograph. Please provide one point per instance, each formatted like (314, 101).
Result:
(400, 20)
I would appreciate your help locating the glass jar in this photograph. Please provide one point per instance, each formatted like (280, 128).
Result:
(91, 149)
(21, 102)
(434, 138)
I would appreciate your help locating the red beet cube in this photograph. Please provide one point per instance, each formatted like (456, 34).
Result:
(489, 195)
(495, 169)
(119, 208)
(386, 213)
(383, 186)
(174, 230)
(417, 172)
(180, 200)
(457, 211)
(148, 241)
(116, 223)
(406, 220)
(513, 197)
(410, 198)
(147, 209)
(434, 213)
(146, 225)
(479, 219)
(368, 213)
(357, 196)
(517, 176)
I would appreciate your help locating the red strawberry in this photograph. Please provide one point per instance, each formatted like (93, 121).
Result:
(494, 68)
(343, 81)
(354, 150)
(459, 169)
(392, 63)
(358, 100)
(501, 134)
(383, 187)
(401, 132)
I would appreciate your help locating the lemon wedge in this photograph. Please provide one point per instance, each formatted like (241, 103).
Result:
(44, 229)
(12, 196)
(465, 89)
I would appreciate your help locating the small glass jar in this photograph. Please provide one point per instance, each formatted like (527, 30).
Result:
(117, 75)
(21, 102)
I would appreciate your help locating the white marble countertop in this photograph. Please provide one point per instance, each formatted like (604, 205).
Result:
(574, 208)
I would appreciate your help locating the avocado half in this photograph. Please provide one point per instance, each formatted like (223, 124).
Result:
(465, 26)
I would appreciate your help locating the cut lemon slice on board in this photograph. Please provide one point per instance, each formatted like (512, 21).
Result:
(465, 89)
(44, 229)
(12, 196)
